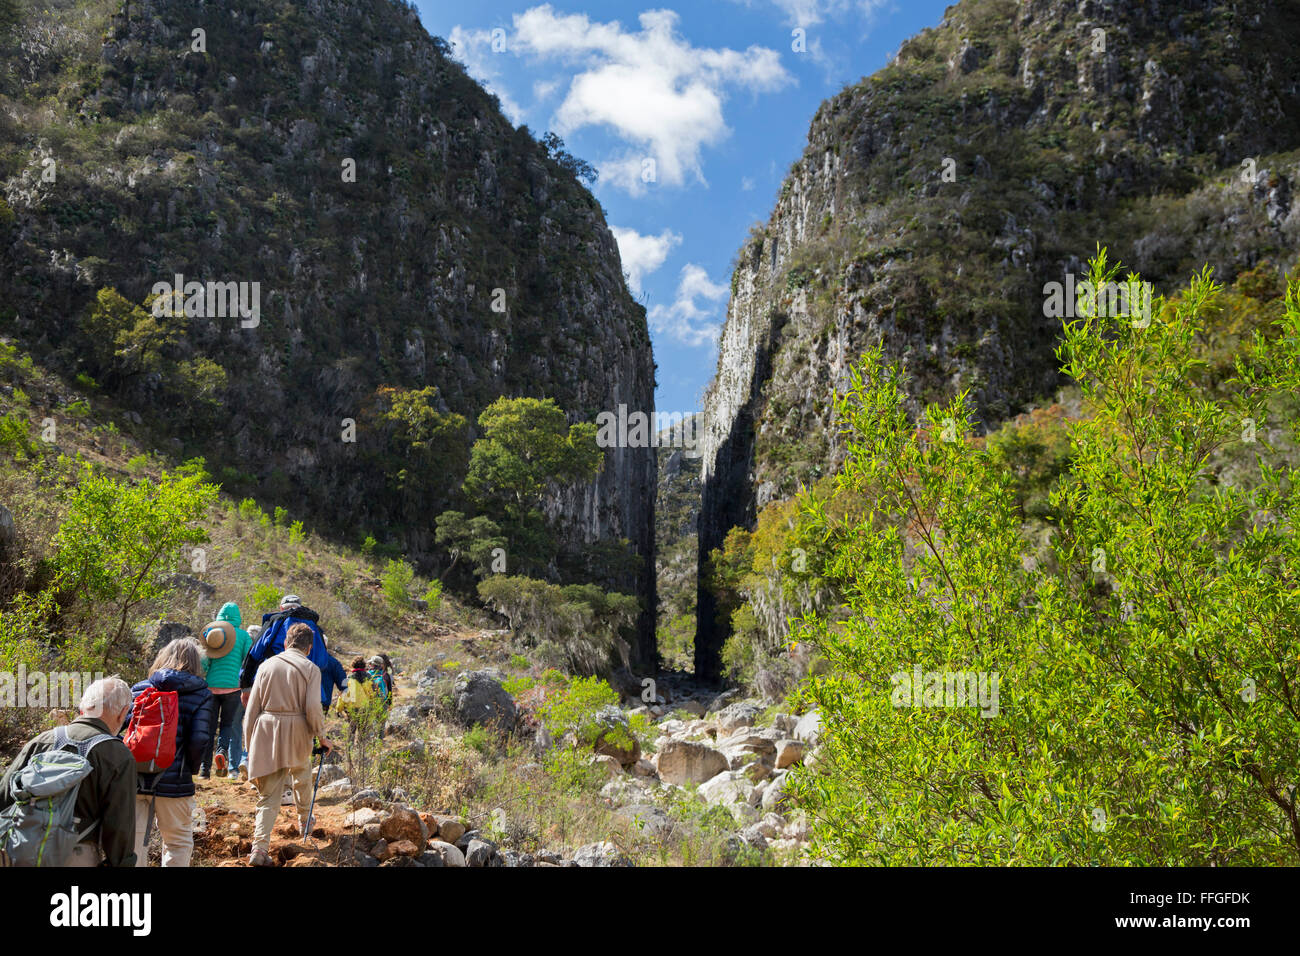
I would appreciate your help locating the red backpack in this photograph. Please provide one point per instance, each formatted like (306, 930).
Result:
(151, 735)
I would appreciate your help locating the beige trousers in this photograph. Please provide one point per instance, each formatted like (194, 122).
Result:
(270, 791)
(174, 821)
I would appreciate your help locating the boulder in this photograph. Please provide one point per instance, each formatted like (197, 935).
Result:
(371, 834)
(362, 817)
(620, 791)
(721, 700)
(331, 772)
(644, 768)
(743, 747)
(735, 716)
(754, 836)
(789, 752)
(647, 819)
(774, 795)
(405, 848)
(164, 632)
(600, 854)
(450, 829)
(338, 790)
(809, 727)
(8, 532)
(683, 761)
(381, 851)
(404, 824)
(367, 798)
(402, 720)
(785, 723)
(691, 707)
(615, 737)
(479, 698)
(727, 788)
(608, 764)
(478, 853)
(757, 769)
(446, 852)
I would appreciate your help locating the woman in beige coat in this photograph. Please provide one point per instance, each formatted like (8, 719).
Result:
(283, 716)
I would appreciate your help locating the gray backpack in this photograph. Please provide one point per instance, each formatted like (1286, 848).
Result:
(39, 828)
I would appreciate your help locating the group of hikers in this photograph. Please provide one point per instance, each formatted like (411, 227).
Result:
(89, 792)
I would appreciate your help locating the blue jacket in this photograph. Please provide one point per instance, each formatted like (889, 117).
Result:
(333, 675)
(198, 720)
(275, 628)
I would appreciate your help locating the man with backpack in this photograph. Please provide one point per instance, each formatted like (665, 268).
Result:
(91, 821)
(275, 627)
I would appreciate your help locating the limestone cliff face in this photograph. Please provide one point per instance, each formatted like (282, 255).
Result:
(935, 198)
(401, 231)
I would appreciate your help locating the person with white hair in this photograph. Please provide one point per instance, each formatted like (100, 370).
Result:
(105, 808)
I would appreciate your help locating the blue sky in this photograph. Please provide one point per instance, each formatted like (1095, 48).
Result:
(692, 114)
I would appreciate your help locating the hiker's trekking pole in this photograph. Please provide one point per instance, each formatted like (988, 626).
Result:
(320, 766)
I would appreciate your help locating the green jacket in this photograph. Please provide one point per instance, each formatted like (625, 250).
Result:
(107, 795)
(224, 671)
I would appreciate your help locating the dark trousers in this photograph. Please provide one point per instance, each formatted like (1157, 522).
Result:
(229, 736)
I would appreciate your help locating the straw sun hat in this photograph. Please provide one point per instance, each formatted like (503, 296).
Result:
(218, 639)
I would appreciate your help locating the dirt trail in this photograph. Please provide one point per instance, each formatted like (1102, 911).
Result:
(226, 836)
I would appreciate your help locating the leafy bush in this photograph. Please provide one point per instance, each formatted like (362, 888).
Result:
(116, 538)
(579, 621)
(265, 596)
(1142, 713)
(15, 437)
(397, 578)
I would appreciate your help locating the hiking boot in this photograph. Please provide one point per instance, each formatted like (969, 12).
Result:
(259, 857)
(205, 774)
(287, 800)
(243, 773)
(220, 765)
(304, 826)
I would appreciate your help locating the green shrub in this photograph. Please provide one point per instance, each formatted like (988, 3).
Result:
(397, 578)
(265, 596)
(582, 622)
(15, 437)
(1141, 714)
(116, 538)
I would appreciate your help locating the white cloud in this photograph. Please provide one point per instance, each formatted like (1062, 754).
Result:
(473, 48)
(686, 320)
(543, 89)
(806, 13)
(659, 94)
(747, 183)
(642, 255)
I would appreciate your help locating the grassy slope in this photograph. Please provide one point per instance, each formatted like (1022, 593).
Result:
(468, 773)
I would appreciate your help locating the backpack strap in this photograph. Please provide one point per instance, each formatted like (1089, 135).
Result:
(84, 747)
